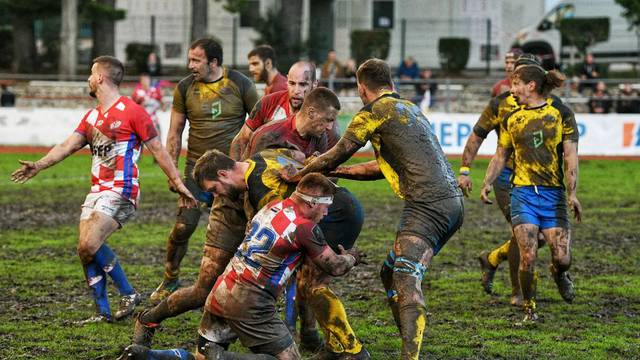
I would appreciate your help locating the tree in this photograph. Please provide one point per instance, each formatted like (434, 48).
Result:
(632, 13)
(284, 36)
(584, 32)
(102, 14)
(199, 15)
(68, 37)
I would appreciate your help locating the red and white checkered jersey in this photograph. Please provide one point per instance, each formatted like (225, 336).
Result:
(275, 245)
(115, 137)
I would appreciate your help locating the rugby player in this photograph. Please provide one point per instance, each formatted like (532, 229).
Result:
(243, 298)
(262, 66)
(541, 134)
(115, 131)
(301, 79)
(409, 156)
(509, 64)
(489, 120)
(307, 131)
(214, 100)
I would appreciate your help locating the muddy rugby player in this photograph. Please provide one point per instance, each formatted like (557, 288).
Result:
(541, 133)
(214, 100)
(409, 156)
(115, 131)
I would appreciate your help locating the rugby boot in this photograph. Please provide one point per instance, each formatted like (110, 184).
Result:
(166, 287)
(488, 272)
(143, 333)
(212, 351)
(564, 283)
(530, 315)
(134, 352)
(310, 341)
(127, 305)
(516, 299)
(94, 319)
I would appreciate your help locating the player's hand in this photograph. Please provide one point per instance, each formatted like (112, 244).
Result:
(576, 207)
(186, 197)
(28, 170)
(484, 194)
(172, 187)
(290, 174)
(355, 252)
(465, 184)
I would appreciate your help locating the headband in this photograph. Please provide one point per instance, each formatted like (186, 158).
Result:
(314, 200)
(535, 66)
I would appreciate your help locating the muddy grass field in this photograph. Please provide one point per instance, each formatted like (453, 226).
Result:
(42, 290)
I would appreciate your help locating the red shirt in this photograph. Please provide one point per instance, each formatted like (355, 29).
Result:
(498, 88)
(283, 134)
(279, 83)
(115, 138)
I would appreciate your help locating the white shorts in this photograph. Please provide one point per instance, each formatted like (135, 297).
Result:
(110, 204)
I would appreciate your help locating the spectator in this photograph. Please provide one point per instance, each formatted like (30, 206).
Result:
(149, 97)
(575, 99)
(154, 68)
(8, 98)
(588, 73)
(628, 101)
(330, 70)
(408, 69)
(600, 101)
(349, 87)
(425, 91)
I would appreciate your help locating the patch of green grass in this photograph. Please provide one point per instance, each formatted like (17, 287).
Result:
(43, 291)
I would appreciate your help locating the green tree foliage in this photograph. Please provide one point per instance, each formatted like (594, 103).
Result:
(454, 54)
(366, 44)
(584, 32)
(631, 12)
(272, 31)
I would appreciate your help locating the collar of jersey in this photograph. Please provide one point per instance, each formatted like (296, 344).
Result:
(252, 165)
(224, 75)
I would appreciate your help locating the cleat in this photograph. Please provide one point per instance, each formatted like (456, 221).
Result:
(488, 272)
(326, 354)
(94, 319)
(163, 290)
(564, 283)
(212, 351)
(127, 305)
(530, 317)
(310, 341)
(143, 333)
(134, 352)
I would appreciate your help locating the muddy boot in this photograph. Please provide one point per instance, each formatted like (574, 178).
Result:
(488, 272)
(310, 340)
(166, 287)
(134, 352)
(564, 283)
(143, 333)
(127, 305)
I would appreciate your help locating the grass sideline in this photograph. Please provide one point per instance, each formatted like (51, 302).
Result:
(42, 291)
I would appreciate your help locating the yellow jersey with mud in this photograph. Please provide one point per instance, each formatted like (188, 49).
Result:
(216, 111)
(264, 180)
(405, 147)
(493, 114)
(535, 136)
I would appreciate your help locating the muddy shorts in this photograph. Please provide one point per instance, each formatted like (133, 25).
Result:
(266, 334)
(227, 223)
(435, 222)
(200, 195)
(502, 189)
(110, 204)
(344, 220)
(543, 206)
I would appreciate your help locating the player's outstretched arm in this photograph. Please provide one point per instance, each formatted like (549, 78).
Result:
(29, 169)
(493, 170)
(570, 148)
(468, 155)
(369, 170)
(325, 162)
(164, 161)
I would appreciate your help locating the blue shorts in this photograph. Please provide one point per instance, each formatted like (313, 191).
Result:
(543, 206)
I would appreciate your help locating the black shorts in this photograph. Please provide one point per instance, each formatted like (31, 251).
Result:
(435, 222)
(344, 220)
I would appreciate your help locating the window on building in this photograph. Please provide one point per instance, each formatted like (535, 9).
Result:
(383, 14)
(251, 13)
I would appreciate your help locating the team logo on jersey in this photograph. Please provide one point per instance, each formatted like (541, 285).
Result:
(279, 114)
(116, 124)
(537, 139)
(216, 109)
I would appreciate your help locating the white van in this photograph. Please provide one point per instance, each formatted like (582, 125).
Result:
(543, 38)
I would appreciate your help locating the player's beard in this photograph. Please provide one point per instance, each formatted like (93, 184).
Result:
(232, 192)
(264, 76)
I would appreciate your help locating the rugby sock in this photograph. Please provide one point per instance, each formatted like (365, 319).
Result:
(290, 311)
(110, 264)
(171, 354)
(514, 262)
(97, 281)
(156, 314)
(500, 254)
(392, 298)
(333, 321)
(414, 321)
(528, 285)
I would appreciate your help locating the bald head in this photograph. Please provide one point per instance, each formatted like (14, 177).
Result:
(301, 79)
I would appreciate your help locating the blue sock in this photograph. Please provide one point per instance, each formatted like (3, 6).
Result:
(110, 264)
(290, 313)
(171, 354)
(97, 281)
